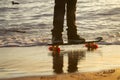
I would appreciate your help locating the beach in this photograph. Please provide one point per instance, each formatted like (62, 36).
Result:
(25, 31)
(112, 74)
(73, 64)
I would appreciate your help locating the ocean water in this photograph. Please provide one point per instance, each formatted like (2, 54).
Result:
(30, 22)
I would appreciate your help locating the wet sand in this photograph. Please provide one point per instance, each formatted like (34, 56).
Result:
(110, 71)
(112, 74)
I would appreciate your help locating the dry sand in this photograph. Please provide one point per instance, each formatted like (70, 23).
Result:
(112, 74)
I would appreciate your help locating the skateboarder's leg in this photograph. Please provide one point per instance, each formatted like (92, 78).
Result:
(71, 18)
(58, 20)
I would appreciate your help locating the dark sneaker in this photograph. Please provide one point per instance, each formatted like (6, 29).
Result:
(57, 40)
(75, 39)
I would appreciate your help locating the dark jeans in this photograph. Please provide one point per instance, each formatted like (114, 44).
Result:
(59, 12)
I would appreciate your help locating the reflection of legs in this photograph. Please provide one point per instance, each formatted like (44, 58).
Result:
(58, 63)
(58, 21)
(72, 62)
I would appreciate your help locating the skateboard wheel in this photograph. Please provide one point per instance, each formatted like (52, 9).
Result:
(95, 46)
(91, 46)
(50, 48)
(58, 50)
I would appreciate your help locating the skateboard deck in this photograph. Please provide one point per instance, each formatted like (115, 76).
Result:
(89, 44)
(98, 39)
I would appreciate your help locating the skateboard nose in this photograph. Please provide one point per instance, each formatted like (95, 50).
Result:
(99, 38)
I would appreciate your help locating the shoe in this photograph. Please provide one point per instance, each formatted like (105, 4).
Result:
(75, 39)
(57, 40)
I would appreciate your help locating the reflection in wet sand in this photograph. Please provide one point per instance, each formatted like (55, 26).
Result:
(57, 63)
(73, 58)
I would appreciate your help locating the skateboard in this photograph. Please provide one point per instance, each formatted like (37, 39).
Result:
(89, 44)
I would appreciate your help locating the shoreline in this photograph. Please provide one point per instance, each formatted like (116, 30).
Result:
(111, 74)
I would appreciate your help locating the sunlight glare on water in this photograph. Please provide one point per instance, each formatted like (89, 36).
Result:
(30, 22)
